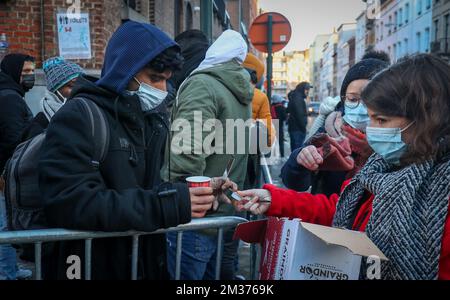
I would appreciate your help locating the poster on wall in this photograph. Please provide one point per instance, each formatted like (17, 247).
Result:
(74, 36)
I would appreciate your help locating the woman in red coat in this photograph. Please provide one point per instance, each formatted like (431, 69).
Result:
(400, 198)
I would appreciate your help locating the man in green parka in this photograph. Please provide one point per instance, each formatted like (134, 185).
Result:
(213, 111)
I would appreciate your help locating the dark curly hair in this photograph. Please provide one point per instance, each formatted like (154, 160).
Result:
(170, 59)
(381, 55)
(416, 88)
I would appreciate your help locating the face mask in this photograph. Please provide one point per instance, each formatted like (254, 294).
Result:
(357, 117)
(28, 82)
(388, 142)
(63, 99)
(150, 97)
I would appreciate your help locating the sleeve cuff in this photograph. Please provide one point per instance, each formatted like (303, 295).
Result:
(276, 204)
(184, 202)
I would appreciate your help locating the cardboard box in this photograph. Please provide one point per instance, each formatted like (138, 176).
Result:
(294, 250)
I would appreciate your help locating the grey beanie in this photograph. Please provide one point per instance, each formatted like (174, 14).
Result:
(59, 72)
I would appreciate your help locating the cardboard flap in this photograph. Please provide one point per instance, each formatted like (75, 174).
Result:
(356, 242)
(251, 232)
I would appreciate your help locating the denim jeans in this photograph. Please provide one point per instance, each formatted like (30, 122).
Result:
(8, 259)
(297, 139)
(230, 259)
(198, 256)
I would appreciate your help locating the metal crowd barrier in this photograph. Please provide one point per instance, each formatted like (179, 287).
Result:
(255, 255)
(37, 237)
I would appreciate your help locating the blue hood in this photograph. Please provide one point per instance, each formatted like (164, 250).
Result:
(131, 47)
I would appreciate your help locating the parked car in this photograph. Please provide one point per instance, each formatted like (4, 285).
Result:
(313, 108)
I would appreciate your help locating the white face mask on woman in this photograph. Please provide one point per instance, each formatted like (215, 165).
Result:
(149, 96)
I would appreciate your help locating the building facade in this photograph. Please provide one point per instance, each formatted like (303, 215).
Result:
(345, 51)
(316, 56)
(37, 27)
(289, 69)
(328, 73)
(441, 29)
(360, 36)
(404, 27)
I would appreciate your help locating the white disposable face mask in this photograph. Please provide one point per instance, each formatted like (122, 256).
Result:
(149, 96)
(61, 97)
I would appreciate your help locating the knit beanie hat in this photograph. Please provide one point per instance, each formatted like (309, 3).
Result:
(59, 72)
(253, 63)
(365, 69)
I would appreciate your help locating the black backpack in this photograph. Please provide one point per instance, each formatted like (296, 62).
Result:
(24, 204)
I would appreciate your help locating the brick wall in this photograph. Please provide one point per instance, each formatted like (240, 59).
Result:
(21, 21)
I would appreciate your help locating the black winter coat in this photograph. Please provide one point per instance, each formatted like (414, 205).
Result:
(298, 117)
(124, 194)
(15, 116)
(37, 126)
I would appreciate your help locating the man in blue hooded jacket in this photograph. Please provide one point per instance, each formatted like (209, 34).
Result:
(125, 191)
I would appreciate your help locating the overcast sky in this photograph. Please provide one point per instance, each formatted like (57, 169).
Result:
(312, 17)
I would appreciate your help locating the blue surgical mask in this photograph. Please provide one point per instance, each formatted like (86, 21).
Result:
(149, 96)
(388, 143)
(357, 117)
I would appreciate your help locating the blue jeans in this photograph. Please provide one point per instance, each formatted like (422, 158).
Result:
(198, 256)
(297, 139)
(8, 259)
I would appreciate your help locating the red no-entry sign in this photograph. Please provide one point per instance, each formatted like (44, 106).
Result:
(281, 32)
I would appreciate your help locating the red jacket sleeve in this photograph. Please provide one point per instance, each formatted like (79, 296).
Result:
(315, 209)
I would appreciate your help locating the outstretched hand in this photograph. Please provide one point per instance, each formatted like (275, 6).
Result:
(255, 201)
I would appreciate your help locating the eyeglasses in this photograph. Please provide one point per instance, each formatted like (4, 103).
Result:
(351, 101)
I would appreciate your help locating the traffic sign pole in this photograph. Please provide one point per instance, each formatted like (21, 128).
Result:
(269, 57)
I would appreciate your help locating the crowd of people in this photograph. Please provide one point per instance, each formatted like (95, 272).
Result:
(375, 160)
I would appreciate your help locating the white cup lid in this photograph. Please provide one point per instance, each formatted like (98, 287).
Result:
(198, 179)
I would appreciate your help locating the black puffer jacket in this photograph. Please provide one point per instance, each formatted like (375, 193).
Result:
(298, 117)
(123, 195)
(15, 116)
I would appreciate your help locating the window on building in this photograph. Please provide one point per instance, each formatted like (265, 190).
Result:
(428, 4)
(418, 42)
(189, 17)
(419, 7)
(394, 52)
(447, 32)
(436, 30)
(395, 20)
(406, 13)
(390, 25)
(406, 45)
(400, 17)
(399, 50)
(426, 40)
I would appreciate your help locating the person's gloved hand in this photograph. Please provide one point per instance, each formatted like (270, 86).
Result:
(328, 105)
(220, 186)
(358, 141)
(333, 125)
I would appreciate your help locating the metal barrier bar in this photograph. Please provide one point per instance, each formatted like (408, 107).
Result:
(219, 252)
(38, 260)
(178, 257)
(134, 257)
(87, 259)
(265, 170)
(254, 255)
(51, 235)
